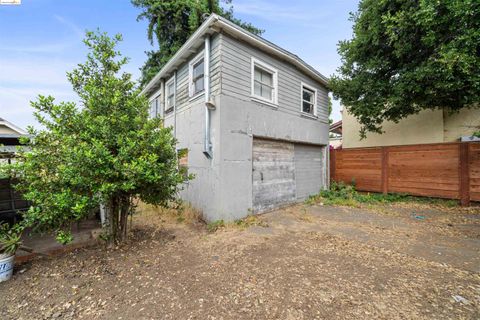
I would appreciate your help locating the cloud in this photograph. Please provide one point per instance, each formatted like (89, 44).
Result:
(49, 48)
(44, 48)
(15, 102)
(72, 26)
(34, 70)
(275, 12)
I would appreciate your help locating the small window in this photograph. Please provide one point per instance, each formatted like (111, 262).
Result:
(170, 95)
(197, 74)
(309, 98)
(264, 81)
(154, 110)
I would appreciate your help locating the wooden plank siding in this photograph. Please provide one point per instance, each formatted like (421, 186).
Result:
(236, 77)
(444, 170)
(183, 99)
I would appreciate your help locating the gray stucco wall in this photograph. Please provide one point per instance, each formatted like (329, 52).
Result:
(222, 188)
(202, 191)
(188, 124)
(240, 121)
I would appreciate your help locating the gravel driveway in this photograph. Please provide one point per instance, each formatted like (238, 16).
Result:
(303, 262)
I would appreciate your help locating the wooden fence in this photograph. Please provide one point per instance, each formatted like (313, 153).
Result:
(445, 170)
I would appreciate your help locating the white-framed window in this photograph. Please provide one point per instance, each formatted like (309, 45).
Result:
(196, 74)
(309, 99)
(170, 95)
(264, 81)
(153, 111)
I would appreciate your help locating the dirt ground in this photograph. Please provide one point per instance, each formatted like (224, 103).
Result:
(403, 261)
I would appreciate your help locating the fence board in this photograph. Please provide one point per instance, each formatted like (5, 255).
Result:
(445, 170)
(474, 166)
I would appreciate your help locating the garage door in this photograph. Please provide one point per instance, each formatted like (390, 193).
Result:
(273, 174)
(308, 170)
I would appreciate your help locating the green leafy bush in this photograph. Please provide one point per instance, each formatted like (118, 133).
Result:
(10, 238)
(64, 237)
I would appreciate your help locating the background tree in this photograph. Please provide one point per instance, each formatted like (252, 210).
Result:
(107, 151)
(172, 22)
(407, 56)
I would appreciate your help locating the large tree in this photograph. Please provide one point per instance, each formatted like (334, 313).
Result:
(172, 22)
(105, 152)
(407, 56)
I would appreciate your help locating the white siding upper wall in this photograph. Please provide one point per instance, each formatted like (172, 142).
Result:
(236, 77)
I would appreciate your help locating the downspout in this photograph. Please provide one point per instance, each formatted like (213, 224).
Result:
(175, 105)
(162, 100)
(327, 173)
(207, 149)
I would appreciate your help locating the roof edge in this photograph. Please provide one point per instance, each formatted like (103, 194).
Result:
(245, 35)
(13, 127)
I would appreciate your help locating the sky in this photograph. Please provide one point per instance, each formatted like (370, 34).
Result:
(40, 40)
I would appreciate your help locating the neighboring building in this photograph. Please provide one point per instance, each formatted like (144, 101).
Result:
(336, 135)
(10, 201)
(428, 126)
(9, 136)
(252, 116)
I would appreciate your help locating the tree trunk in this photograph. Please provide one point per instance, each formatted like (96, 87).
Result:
(117, 209)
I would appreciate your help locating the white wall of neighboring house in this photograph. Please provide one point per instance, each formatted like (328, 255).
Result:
(7, 127)
(428, 126)
(6, 130)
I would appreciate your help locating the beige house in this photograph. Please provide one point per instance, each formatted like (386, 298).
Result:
(9, 136)
(429, 126)
(8, 128)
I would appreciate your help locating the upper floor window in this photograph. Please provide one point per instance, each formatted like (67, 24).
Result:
(264, 81)
(170, 95)
(197, 74)
(153, 111)
(309, 98)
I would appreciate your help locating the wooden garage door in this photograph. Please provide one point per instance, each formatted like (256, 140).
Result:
(273, 174)
(308, 170)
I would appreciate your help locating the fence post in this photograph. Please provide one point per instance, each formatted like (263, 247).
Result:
(464, 173)
(333, 163)
(385, 170)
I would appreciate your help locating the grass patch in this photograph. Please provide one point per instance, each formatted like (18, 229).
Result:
(249, 221)
(215, 225)
(242, 224)
(341, 194)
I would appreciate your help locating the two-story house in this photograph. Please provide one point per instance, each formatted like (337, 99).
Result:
(251, 116)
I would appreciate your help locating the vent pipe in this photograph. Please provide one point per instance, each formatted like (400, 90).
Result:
(207, 150)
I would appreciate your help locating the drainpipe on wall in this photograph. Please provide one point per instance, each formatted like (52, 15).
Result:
(175, 105)
(162, 100)
(209, 105)
(327, 161)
